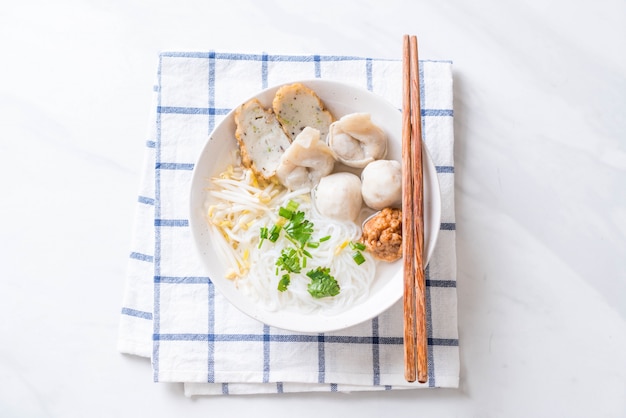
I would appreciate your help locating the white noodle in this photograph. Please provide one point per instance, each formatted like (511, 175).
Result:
(236, 209)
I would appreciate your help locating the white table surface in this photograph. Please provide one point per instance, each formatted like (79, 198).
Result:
(540, 102)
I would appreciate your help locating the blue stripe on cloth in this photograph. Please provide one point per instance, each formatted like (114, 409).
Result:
(444, 169)
(321, 359)
(429, 323)
(145, 200)
(333, 387)
(150, 144)
(136, 313)
(437, 112)
(211, 103)
(210, 110)
(318, 66)
(299, 338)
(174, 166)
(141, 257)
(225, 389)
(368, 74)
(375, 353)
(171, 222)
(210, 367)
(271, 57)
(264, 71)
(279, 387)
(213, 111)
(448, 226)
(441, 283)
(429, 333)
(182, 279)
(185, 110)
(156, 323)
(443, 342)
(266, 354)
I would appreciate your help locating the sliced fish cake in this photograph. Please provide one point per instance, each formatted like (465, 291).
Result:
(296, 106)
(261, 138)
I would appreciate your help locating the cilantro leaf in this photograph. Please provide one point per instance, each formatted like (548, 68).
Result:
(289, 261)
(284, 282)
(322, 283)
(299, 228)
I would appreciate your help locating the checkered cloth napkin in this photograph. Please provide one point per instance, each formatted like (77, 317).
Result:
(171, 311)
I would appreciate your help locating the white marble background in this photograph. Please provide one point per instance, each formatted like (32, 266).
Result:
(541, 196)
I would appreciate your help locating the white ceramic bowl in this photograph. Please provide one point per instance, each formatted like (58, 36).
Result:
(387, 286)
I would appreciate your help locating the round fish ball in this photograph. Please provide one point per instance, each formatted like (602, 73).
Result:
(338, 196)
(382, 184)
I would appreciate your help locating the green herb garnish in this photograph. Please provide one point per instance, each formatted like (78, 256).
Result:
(358, 257)
(299, 229)
(289, 261)
(293, 259)
(292, 206)
(274, 233)
(284, 282)
(288, 210)
(322, 283)
(263, 234)
(285, 213)
(357, 245)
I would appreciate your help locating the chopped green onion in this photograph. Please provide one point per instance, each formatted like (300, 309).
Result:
(263, 235)
(285, 213)
(305, 252)
(326, 238)
(313, 244)
(292, 206)
(274, 233)
(288, 211)
(358, 257)
(357, 246)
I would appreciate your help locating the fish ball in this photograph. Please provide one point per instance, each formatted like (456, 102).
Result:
(382, 184)
(338, 196)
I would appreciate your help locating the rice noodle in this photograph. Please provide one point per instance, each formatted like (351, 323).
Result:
(237, 206)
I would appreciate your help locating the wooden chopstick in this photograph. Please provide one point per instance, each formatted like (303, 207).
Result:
(415, 338)
(410, 347)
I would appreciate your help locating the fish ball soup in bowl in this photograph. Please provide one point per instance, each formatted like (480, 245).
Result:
(276, 215)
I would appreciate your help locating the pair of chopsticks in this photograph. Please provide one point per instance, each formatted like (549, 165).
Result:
(415, 338)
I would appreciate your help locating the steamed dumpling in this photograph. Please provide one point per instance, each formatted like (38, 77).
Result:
(305, 161)
(381, 184)
(356, 140)
(338, 196)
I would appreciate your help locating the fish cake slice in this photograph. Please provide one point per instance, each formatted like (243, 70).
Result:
(296, 106)
(261, 138)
